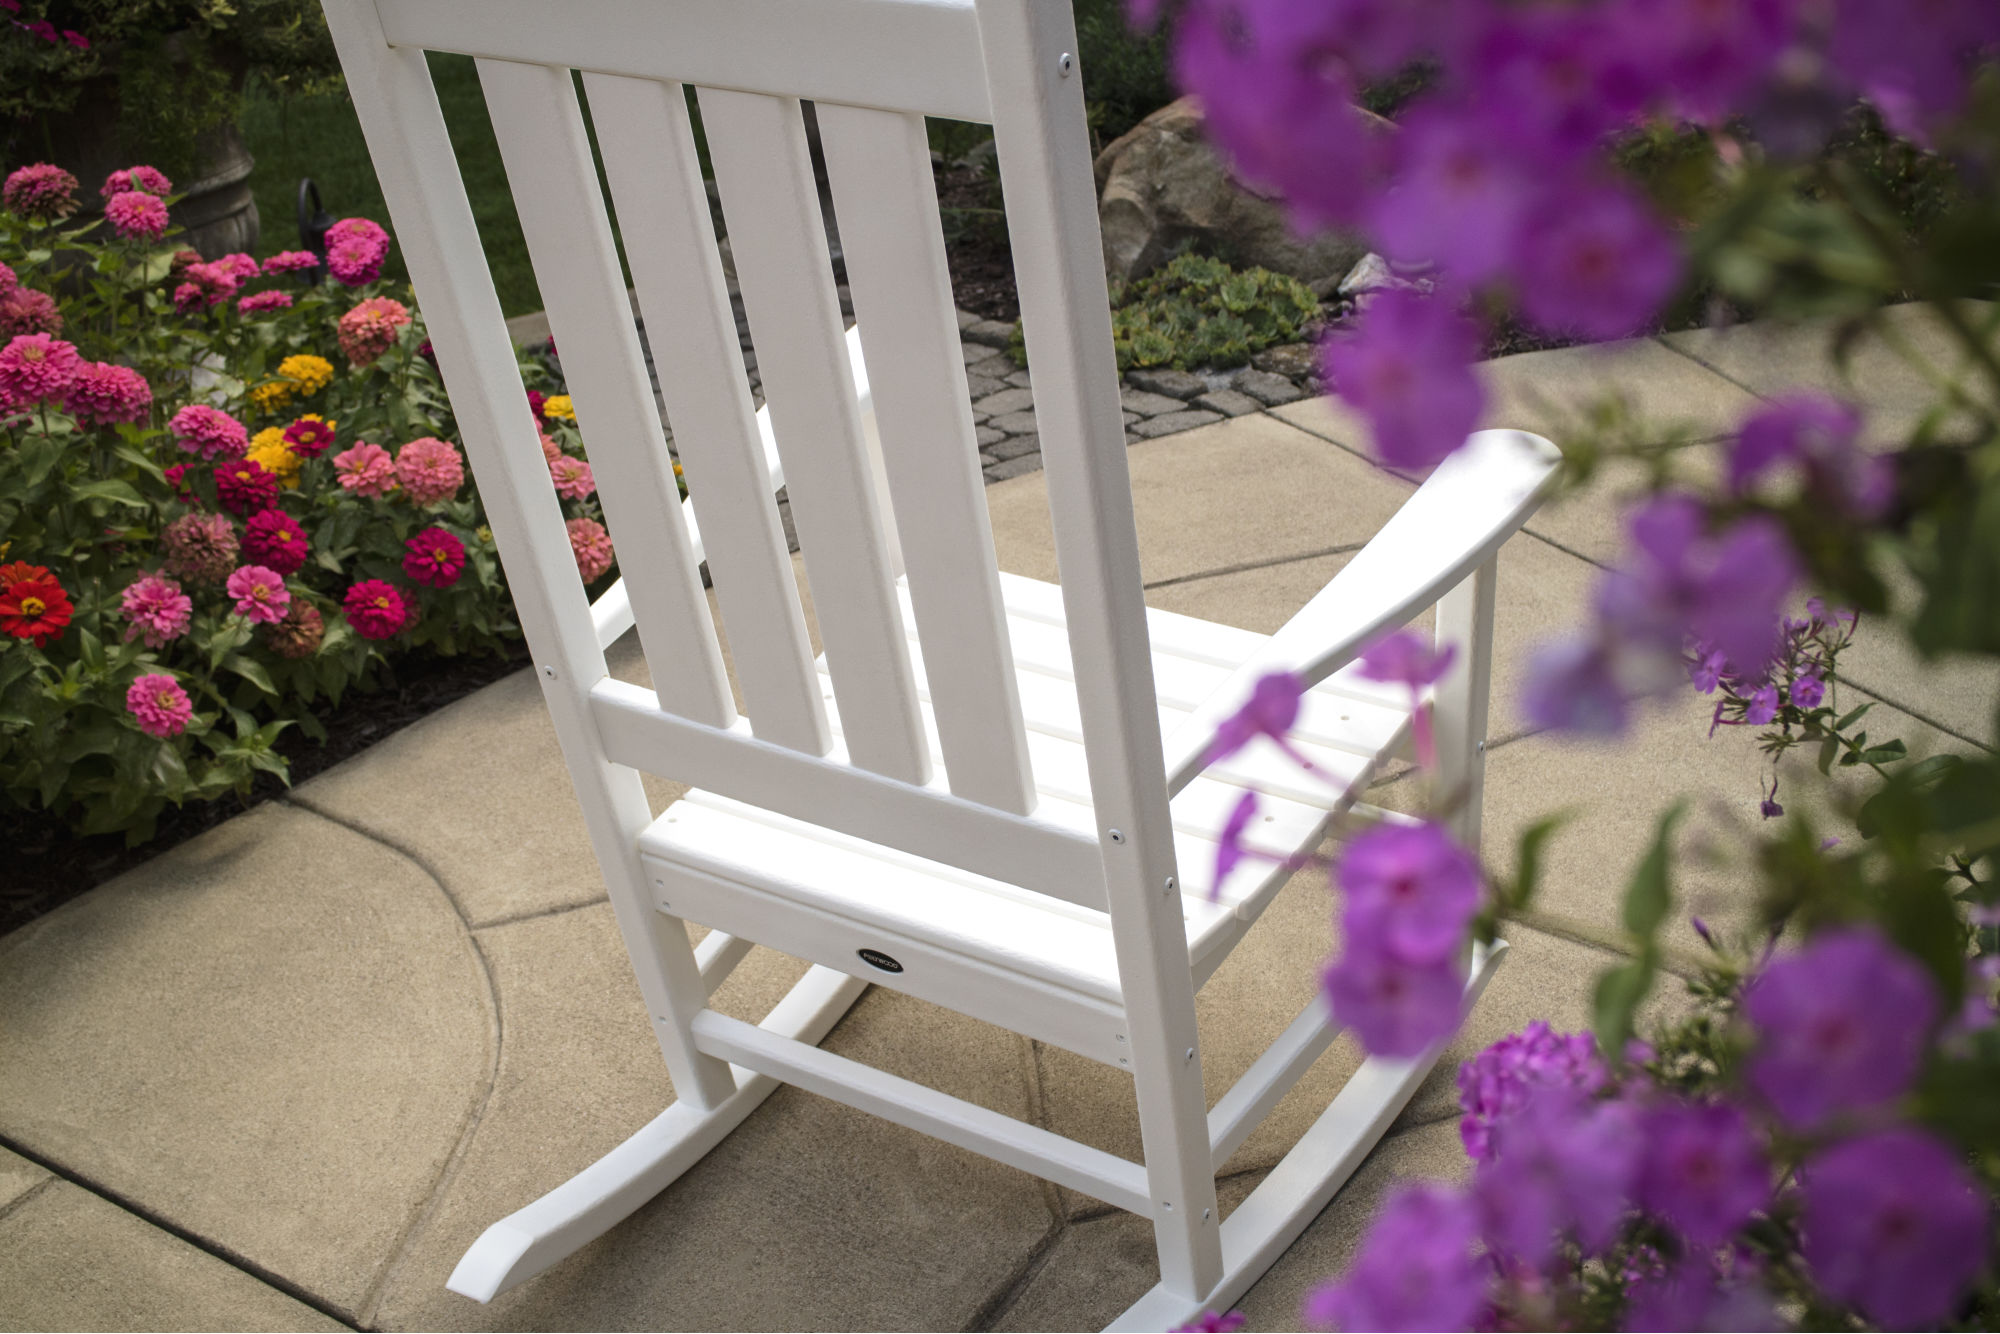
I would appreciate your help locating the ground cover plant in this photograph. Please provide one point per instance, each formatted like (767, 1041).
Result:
(228, 492)
(1815, 1142)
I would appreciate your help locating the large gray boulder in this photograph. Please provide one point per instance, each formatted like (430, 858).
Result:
(1161, 185)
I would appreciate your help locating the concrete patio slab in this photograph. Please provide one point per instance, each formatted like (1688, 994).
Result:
(18, 1176)
(272, 1036)
(1769, 359)
(1240, 492)
(809, 1214)
(75, 1261)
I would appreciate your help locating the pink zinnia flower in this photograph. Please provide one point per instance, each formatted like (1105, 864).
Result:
(209, 432)
(309, 437)
(572, 477)
(34, 367)
(274, 538)
(176, 475)
(206, 285)
(135, 216)
(592, 547)
(8, 282)
(365, 470)
(239, 266)
(551, 450)
(430, 470)
(200, 548)
(369, 330)
(435, 558)
(375, 609)
(41, 191)
(291, 261)
(150, 180)
(26, 311)
(103, 393)
(245, 486)
(259, 302)
(355, 249)
(260, 594)
(76, 39)
(161, 706)
(157, 609)
(298, 635)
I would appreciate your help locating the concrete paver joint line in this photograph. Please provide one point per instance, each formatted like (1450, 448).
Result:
(28, 1194)
(58, 1173)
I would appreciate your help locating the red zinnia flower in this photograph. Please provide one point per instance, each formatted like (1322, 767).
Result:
(435, 558)
(309, 437)
(244, 487)
(19, 571)
(375, 609)
(36, 609)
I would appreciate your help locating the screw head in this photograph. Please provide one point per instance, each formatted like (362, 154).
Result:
(1171, 885)
(549, 672)
(1117, 836)
(1065, 63)
(1190, 1053)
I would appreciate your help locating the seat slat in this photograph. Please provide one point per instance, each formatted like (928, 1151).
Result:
(649, 158)
(764, 173)
(885, 198)
(539, 125)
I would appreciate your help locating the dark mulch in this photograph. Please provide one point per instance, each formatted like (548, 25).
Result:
(982, 266)
(47, 865)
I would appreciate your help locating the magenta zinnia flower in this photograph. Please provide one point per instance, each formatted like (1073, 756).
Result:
(365, 470)
(309, 437)
(260, 594)
(200, 548)
(591, 546)
(149, 180)
(274, 538)
(209, 432)
(434, 557)
(375, 609)
(204, 286)
(157, 608)
(291, 261)
(259, 302)
(27, 311)
(103, 393)
(245, 486)
(42, 192)
(572, 477)
(137, 216)
(36, 368)
(161, 706)
(430, 470)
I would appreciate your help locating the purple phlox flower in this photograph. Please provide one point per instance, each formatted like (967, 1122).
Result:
(1985, 914)
(1761, 706)
(1270, 711)
(1807, 690)
(1460, 196)
(1407, 368)
(1394, 1008)
(1414, 1270)
(1279, 105)
(1692, 1295)
(1213, 1322)
(1769, 807)
(1409, 658)
(1553, 80)
(1229, 845)
(1840, 620)
(1818, 434)
(1701, 929)
(1895, 1225)
(1709, 56)
(1578, 686)
(1596, 262)
(1502, 1079)
(1564, 1165)
(1841, 1026)
(1706, 668)
(1979, 1008)
(1914, 60)
(1411, 891)
(1705, 1170)
(1724, 590)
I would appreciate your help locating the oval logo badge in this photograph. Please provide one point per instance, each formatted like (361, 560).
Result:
(877, 959)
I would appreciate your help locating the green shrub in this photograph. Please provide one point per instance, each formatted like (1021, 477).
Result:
(1198, 311)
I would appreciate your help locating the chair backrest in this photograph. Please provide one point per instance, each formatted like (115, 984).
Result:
(874, 69)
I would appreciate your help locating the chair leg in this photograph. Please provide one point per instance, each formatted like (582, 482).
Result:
(1465, 619)
(589, 1204)
(1305, 1181)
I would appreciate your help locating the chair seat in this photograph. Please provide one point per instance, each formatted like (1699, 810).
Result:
(1347, 725)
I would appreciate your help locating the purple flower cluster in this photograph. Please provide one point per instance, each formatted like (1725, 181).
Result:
(1501, 1080)
(1411, 893)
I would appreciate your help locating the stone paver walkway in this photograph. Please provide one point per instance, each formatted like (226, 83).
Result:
(281, 1076)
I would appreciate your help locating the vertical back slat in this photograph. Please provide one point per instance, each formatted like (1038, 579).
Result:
(413, 158)
(1045, 176)
(879, 164)
(539, 125)
(647, 139)
(763, 169)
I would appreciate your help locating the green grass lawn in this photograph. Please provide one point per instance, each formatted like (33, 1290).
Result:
(294, 137)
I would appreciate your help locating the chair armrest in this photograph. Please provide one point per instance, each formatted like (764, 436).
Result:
(611, 613)
(1456, 522)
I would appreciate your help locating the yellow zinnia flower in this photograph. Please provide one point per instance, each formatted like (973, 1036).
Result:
(558, 407)
(271, 397)
(268, 449)
(308, 374)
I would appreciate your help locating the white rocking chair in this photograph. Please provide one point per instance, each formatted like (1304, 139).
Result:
(990, 792)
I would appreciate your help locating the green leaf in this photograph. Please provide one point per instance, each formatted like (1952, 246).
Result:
(1528, 860)
(1619, 993)
(1829, 749)
(1848, 720)
(1884, 753)
(111, 489)
(252, 671)
(1648, 899)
